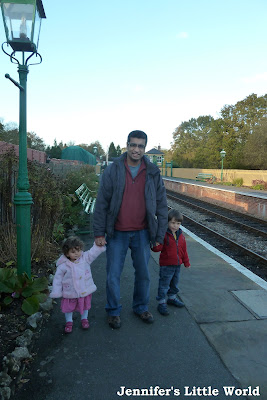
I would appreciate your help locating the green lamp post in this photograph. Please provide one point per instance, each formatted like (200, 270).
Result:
(222, 153)
(95, 152)
(22, 23)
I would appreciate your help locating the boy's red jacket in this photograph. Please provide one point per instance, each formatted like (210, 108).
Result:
(173, 252)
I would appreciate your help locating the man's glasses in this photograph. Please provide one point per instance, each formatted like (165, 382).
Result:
(134, 145)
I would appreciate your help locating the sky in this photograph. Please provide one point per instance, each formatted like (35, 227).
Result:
(113, 66)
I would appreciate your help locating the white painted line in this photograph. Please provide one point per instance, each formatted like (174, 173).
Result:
(259, 281)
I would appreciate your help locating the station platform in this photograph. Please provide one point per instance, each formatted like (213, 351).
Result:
(241, 199)
(213, 348)
(242, 190)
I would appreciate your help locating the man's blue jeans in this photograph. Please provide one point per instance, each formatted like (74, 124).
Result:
(168, 282)
(117, 247)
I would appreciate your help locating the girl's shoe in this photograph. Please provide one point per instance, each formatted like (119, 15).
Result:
(68, 327)
(85, 324)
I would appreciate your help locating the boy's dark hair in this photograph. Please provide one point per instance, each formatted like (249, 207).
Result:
(72, 242)
(138, 135)
(176, 215)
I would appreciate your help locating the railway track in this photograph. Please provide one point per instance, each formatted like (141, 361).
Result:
(241, 237)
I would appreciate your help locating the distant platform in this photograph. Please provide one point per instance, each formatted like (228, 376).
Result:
(245, 200)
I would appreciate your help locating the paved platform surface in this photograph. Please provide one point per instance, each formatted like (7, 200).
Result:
(243, 190)
(219, 340)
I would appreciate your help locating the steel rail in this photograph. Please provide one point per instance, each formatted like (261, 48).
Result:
(224, 239)
(215, 214)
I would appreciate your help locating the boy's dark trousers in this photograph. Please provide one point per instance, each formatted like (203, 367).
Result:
(168, 282)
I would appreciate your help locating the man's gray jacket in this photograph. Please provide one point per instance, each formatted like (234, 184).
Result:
(110, 196)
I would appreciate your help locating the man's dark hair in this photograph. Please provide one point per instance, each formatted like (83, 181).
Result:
(176, 215)
(72, 242)
(138, 135)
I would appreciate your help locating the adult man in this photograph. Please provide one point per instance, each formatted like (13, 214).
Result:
(131, 209)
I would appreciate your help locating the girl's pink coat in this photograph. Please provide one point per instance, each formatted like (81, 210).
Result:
(74, 279)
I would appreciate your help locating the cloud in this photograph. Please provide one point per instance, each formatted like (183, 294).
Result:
(256, 78)
(182, 35)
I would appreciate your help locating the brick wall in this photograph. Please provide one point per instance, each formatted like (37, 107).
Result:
(254, 205)
(32, 155)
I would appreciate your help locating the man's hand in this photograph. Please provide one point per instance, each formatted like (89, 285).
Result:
(100, 241)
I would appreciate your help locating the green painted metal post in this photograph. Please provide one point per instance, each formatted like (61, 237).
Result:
(22, 39)
(222, 154)
(23, 198)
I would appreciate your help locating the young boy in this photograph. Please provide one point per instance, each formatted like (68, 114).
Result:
(173, 254)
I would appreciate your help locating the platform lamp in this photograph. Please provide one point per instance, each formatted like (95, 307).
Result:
(95, 150)
(95, 153)
(222, 153)
(22, 23)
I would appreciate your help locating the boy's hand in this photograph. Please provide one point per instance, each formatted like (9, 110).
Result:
(157, 244)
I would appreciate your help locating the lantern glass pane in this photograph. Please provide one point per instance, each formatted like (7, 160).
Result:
(18, 19)
(37, 28)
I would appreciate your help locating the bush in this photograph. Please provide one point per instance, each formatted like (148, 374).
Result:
(73, 211)
(86, 174)
(259, 185)
(46, 209)
(29, 291)
(238, 182)
(55, 207)
(225, 183)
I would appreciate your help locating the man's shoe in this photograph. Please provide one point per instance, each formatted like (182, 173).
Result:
(163, 309)
(175, 302)
(146, 317)
(114, 321)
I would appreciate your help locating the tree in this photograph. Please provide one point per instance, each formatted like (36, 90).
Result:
(198, 142)
(112, 152)
(255, 149)
(118, 150)
(240, 121)
(1, 128)
(54, 151)
(35, 142)
(9, 134)
(188, 137)
(90, 148)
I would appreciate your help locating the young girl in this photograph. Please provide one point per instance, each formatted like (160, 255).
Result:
(73, 280)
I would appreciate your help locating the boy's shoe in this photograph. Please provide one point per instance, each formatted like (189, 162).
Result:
(114, 321)
(146, 317)
(85, 323)
(163, 309)
(175, 302)
(68, 327)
